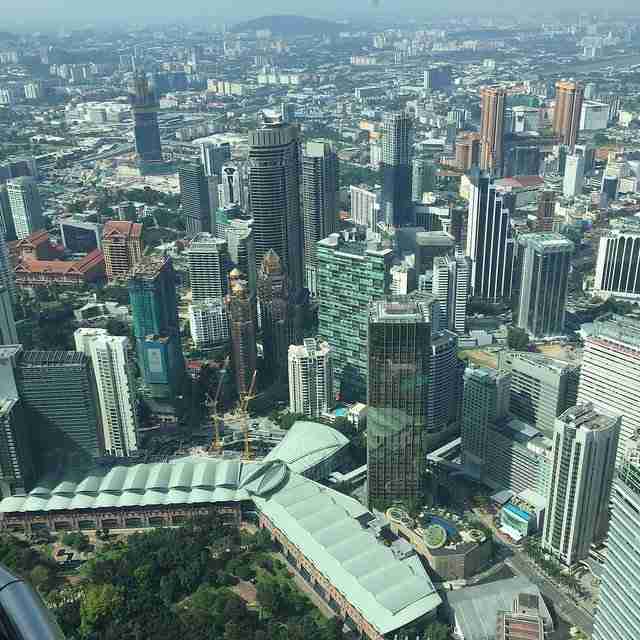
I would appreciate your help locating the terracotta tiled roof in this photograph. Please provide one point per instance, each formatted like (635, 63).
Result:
(60, 266)
(122, 228)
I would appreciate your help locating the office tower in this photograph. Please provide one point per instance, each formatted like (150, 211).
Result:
(79, 236)
(609, 187)
(423, 178)
(232, 184)
(319, 202)
(429, 246)
(352, 273)
(241, 248)
(274, 188)
(17, 473)
(144, 106)
(546, 211)
(399, 341)
(26, 208)
(7, 279)
(194, 198)
(546, 260)
(288, 111)
(437, 78)
(208, 267)
(122, 248)
(243, 333)
(610, 374)
(485, 401)
(522, 160)
(567, 111)
(7, 227)
(468, 151)
(451, 285)
(365, 206)
(541, 388)
(276, 323)
(154, 307)
(397, 141)
(488, 241)
(209, 323)
(573, 176)
(59, 395)
(493, 100)
(403, 279)
(617, 272)
(213, 156)
(310, 378)
(584, 454)
(618, 616)
(110, 357)
(8, 333)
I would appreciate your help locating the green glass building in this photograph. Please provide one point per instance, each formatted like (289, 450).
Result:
(352, 273)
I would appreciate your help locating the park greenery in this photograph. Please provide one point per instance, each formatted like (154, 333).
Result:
(518, 339)
(551, 566)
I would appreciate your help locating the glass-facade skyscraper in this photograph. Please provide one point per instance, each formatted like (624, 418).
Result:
(397, 208)
(144, 105)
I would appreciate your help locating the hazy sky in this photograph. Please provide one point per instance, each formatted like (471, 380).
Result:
(218, 11)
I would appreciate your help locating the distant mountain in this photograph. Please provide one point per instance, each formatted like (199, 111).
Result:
(289, 25)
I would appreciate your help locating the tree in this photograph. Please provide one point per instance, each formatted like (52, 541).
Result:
(517, 339)
(76, 540)
(97, 607)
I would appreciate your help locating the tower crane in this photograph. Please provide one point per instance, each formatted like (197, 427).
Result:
(243, 413)
(212, 405)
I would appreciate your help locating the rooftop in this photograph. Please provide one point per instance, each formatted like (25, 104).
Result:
(546, 241)
(51, 358)
(401, 310)
(617, 328)
(585, 416)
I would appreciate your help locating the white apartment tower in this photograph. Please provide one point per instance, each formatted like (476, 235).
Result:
(583, 463)
(573, 176)
(310, 378)
(451, 284)
(209, 323)
(207, 256)
(116, 392)
(26, 208)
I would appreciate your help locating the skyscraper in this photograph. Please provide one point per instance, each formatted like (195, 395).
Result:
(468, 151)
(567, 111)
(110, 358)
(194, 198)
(7, 226)
(7, 279)
(573, 176)
(209, 323)
(26, 208)
(546, 260)
(584, 453)
(144, 105)
(122, 247)
(310, 378)
(399, 341)
(617, 272)
(451, 284)
(546, 211)
(423, 178)
(610, 374)
(232, 184)
(243, 333)
(274, 188)
(241, 246)
(493, 102)
(208, 267)
(8, 333)
(319, 202)
(397, 141)
(618, 616)
(213, 156)
(152, 292)
(488, 242)
(352, 272)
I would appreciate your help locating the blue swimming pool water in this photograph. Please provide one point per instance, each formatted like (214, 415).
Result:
(445, 524)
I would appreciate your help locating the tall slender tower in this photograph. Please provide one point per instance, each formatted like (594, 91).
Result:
(546, 210)
(566, 113)
(243, 332)
(397, 130)
(144, 105)
(493, 102)
(194, 197)
(26, 208)
(213, 156)
(319, 202)
(274, 189)
(310, 378)
(208, 261)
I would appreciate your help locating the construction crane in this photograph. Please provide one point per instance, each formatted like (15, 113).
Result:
(243, 413)
(212, 405)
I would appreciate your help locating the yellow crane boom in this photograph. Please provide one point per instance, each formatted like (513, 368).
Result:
(216, 444)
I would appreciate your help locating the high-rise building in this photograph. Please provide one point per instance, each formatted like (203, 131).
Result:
(26, 208)
(7, 227)
(194, 198)
(584, 454)
(365, 206)
(541, 388)
(397, 390)
(488, 242)
(610, 374)
(437, 77)
(274, 188)
(243, 333)
(59, 395)
(209, 323)
(423, 178)
(7, 279)
(450, 285)
(617, 616)
(397, 128)
(567, 111)
(493, 102)
(468, 151)
(485, 401)
(144, 105)
(319, 202)
(352, 273)
(208, 267)
(8, 333)
(111, 361)
(546, 260)
(152, 292)
(213, 156)
(617, 272)
(429, 245)
(573, 176)
(310, 378)
(232, 184)
(241, 247)
(122, 248)
(546, 211)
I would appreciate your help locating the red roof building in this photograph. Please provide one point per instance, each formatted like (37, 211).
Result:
(31, 272)
(122, 246)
